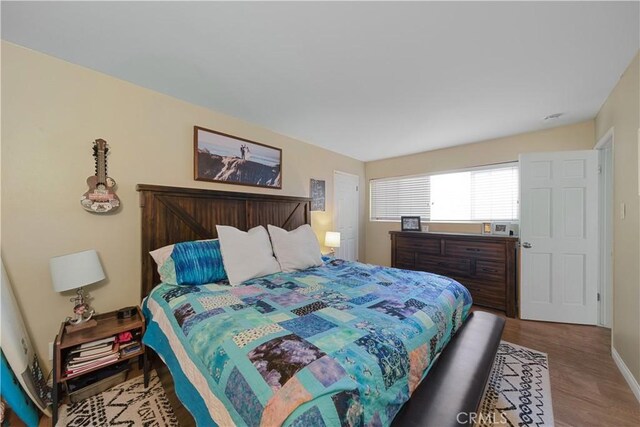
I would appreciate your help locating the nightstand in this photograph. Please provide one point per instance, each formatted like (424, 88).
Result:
(108, 325)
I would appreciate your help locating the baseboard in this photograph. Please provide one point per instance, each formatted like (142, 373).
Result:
(626, 373)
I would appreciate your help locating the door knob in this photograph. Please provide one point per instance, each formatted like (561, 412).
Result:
(527, 245)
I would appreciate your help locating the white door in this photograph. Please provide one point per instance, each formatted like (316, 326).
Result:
(345, 214)
(559, 236)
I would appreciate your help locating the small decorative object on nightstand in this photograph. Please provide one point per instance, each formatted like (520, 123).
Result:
(332, 240)
(87, 361)
(73, 272)
(127, 312)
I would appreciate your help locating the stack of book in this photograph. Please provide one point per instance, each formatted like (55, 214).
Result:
(129, 348)
(92, 355)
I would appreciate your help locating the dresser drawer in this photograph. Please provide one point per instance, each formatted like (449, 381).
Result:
(443, 265)
(486, 293)
(496, 287)
(426, 246)
(404, 266)
(490, 270)
(488, 300)
(484, 250)
(407, 258)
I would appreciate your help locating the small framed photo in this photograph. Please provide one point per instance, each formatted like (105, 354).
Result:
(500, 228)
(486, 228)
(410, 223)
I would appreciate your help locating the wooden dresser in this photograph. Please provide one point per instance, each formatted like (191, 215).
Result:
(484, 264)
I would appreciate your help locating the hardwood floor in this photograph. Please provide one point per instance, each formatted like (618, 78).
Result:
(586, 386)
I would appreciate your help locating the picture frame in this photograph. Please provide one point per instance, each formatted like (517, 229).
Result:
(410, 223)
(229, 159)
(317, 192)
(486, 228)
(500, 228)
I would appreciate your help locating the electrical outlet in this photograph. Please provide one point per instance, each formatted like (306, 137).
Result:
(51, 351)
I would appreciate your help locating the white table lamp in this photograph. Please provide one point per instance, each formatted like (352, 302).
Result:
(332, 240)
(74, 271)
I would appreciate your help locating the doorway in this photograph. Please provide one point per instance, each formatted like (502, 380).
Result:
(605, 289)
(559, 231)
(345, 213)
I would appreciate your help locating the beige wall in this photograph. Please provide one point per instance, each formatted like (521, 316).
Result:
(621, 111)
(575, 137)
(52, 111)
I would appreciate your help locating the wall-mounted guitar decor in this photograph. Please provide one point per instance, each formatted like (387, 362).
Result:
(101, 197)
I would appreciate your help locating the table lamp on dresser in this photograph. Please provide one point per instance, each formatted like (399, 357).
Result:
(74, 271)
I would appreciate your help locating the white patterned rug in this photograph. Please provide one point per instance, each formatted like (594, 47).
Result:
(518, 392)
(127, 404)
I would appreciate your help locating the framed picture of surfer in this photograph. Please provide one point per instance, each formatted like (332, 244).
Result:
(219, 157)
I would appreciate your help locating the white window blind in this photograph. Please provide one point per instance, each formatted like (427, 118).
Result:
(494, 194)
(394, 197)
(481, 194)
(451, 197)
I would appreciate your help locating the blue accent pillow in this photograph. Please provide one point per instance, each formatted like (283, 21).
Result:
(198, 263)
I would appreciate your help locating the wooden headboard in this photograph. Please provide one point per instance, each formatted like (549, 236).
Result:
(174, 214)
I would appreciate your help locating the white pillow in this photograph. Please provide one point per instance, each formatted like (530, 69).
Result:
(297, 249)
(246, 255)
(160, 255)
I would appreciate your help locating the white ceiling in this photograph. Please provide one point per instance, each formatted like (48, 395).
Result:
(369, 80)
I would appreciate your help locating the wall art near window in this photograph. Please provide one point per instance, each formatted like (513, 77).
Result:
(219, 157)
(317, 193)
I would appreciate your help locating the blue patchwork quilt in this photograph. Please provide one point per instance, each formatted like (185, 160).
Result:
(341, 344)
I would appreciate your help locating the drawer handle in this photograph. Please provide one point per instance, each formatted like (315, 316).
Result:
(490, 270)
(473, 249)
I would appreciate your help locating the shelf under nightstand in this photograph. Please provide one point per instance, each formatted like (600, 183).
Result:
(107, 325)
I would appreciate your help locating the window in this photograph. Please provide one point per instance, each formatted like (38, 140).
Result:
(479, 194)
(394, 197)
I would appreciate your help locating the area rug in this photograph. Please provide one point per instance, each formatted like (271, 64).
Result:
(518, 392)
(127, 404)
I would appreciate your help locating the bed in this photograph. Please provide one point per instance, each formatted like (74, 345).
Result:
(340, 344)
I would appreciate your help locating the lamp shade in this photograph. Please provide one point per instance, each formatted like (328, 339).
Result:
(75, 270)
(332, 239)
